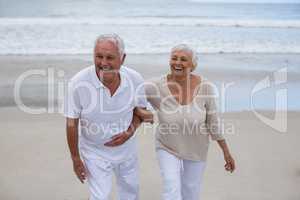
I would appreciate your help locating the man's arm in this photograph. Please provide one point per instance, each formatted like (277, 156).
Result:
(123, 137)
(72, 138)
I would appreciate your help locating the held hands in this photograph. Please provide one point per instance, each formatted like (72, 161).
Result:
(230, 164)
(79, 169)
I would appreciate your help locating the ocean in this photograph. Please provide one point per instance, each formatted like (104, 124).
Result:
(71, 26)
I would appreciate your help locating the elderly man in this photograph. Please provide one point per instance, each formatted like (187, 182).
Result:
(101, 98)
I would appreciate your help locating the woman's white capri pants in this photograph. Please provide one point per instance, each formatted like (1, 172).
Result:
(181, 178)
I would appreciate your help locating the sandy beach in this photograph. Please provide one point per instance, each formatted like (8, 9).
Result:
(35, 158)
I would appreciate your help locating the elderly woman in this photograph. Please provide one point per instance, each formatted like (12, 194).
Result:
(186, 109)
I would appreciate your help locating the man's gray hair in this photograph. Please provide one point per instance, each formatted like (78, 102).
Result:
(185, 47)
(117, 40)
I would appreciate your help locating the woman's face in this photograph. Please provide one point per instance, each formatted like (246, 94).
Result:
(181, 63)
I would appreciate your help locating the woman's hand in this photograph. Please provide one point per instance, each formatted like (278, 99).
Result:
(230, 164)
(144, 114)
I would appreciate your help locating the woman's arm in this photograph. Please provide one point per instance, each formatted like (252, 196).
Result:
(214, 127)
(230, 164)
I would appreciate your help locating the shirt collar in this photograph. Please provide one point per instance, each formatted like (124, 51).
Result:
(98, 84)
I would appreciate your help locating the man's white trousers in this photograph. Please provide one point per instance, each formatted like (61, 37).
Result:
(100, 174)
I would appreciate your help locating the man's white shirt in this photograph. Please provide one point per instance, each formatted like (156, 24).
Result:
(102, 115)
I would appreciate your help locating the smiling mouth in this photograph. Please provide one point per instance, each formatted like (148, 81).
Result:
(105, 69)
(179, 69)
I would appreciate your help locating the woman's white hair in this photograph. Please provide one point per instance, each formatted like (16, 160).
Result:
(116, 39)
(185, 47)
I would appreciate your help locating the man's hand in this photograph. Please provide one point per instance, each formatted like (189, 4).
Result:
(230, 165)
(79, 169)
(119, 139)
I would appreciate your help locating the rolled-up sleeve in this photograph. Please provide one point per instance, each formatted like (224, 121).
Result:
(140, 96)
(153, 93)
(72, 107)
(212, 114)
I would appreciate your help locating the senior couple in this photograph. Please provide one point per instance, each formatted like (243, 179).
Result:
(107, 102)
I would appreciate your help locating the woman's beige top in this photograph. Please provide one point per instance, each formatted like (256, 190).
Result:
(184, 130)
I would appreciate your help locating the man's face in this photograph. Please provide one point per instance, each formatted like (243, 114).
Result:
(107, 61)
